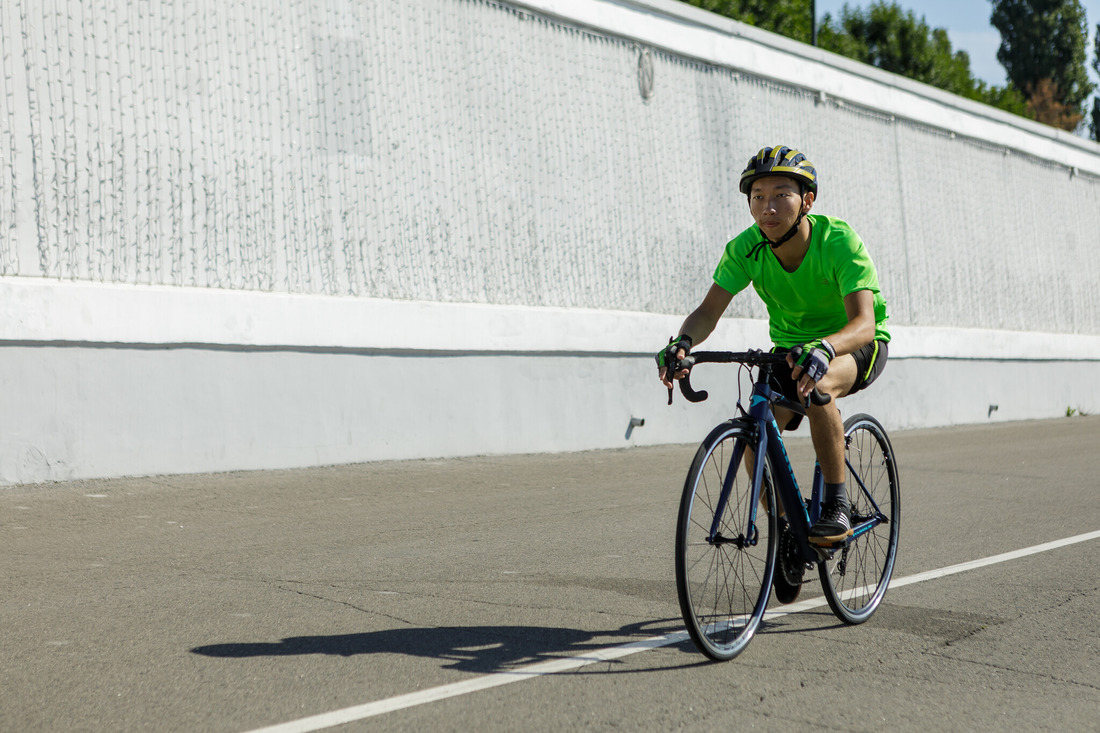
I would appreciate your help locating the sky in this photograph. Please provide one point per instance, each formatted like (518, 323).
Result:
(967, 25)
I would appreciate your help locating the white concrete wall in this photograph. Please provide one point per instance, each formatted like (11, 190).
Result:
(264, 235)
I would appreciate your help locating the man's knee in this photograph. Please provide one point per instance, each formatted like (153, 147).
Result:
(840, 378)
(783, 419)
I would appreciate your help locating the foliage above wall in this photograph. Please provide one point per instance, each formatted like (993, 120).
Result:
(1042, 50)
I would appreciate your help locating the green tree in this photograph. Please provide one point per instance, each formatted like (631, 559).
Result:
(894, 39)
(884, 35)
(790, 18)
(1095, 124)
(1041, 41)
(1007, 98)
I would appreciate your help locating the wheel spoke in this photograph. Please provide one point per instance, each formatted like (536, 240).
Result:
(856, 579)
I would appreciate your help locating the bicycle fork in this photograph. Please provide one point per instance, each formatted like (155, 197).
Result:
(750, 535)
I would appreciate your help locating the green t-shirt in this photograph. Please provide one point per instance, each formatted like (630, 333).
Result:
(808, 303)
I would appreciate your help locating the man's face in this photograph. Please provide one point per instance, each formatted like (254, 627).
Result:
(775, 202)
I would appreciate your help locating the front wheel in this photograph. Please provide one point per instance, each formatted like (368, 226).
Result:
(856, 577)
(724, 568)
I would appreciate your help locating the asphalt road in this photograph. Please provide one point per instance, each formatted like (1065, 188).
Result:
(234, 602)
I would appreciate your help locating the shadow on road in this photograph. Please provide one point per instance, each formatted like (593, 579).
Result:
(480, 649)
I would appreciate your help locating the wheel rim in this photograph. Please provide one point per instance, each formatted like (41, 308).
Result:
(860, 573)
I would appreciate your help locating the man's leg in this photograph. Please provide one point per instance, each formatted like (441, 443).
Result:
(827, 434)
(786, 591)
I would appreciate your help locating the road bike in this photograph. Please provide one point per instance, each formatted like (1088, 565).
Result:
(729, 547)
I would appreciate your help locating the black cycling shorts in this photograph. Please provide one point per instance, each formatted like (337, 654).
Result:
(870, 361)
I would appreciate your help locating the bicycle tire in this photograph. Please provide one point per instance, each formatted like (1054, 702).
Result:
(723, 587)
(855, 579)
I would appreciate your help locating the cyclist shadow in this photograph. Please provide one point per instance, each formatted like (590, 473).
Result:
(478, 649)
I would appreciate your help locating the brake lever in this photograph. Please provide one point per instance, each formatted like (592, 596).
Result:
(686, 363)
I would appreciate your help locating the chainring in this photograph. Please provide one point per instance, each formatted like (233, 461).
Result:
(790, 564)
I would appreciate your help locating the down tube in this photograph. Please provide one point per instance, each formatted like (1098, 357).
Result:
(786, 486)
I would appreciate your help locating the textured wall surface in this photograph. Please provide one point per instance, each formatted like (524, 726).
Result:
(468, 151)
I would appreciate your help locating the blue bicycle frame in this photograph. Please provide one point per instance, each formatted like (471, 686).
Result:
(769, 443)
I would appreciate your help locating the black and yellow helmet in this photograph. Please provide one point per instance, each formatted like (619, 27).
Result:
(780, 161)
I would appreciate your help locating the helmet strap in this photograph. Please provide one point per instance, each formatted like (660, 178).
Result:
(790, 233)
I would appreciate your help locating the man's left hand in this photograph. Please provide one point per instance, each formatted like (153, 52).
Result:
(809, 363)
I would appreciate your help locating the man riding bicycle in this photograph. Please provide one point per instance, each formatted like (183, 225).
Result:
(825, 310)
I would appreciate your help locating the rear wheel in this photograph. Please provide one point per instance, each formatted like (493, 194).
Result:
(723, 578)
(856, 577)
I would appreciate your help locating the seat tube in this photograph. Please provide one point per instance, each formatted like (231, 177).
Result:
(816, 494)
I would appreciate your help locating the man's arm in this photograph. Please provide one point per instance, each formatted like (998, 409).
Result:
(700, 323)
(857, 333)
(860, 329)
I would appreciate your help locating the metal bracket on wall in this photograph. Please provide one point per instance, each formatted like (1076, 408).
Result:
(645, 73)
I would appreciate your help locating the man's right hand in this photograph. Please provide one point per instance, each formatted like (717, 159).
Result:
(677, 349)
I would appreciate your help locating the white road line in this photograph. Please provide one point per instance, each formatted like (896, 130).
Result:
(554, 666)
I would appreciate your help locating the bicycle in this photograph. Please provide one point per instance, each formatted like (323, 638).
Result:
(727, 549)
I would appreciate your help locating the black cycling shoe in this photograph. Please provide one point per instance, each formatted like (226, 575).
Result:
(789, 568)
(834, 525)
